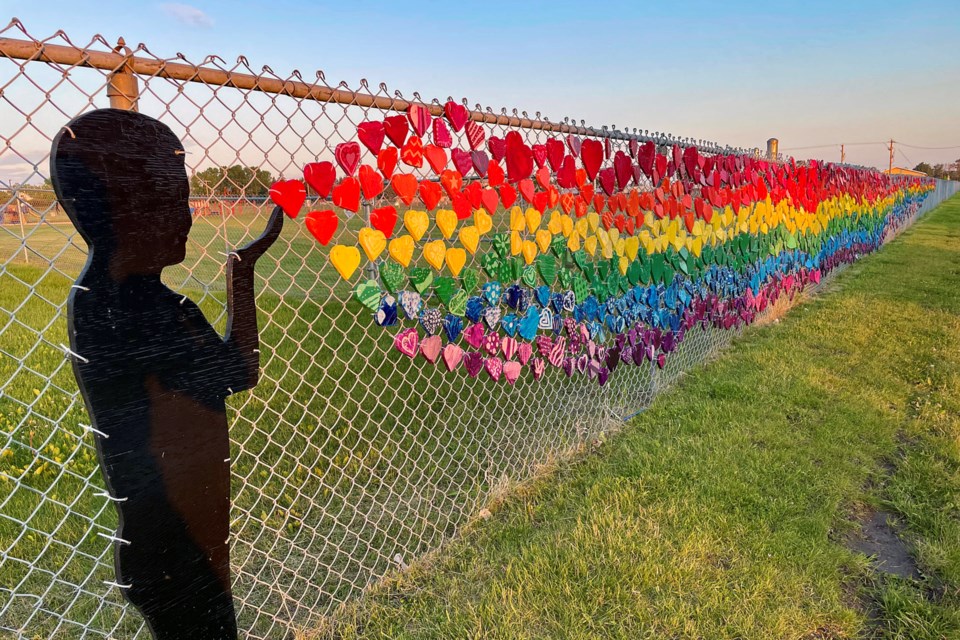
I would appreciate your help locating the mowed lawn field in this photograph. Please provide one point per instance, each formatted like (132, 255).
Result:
(728, 508)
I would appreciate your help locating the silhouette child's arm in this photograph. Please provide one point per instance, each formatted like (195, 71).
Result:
(242, 339)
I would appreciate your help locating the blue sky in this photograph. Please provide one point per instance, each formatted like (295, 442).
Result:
(735, 72)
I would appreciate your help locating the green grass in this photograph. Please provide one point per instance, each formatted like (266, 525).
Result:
(722, 511)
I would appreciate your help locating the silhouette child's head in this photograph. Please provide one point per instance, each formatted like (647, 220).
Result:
(121, 178)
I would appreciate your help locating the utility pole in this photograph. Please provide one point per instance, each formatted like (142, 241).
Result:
(843, 154)
(891, 155)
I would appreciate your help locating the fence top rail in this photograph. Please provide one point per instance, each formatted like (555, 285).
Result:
(122, 60)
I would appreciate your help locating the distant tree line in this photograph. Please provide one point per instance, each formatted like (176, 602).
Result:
(235, 180)
(950, 171)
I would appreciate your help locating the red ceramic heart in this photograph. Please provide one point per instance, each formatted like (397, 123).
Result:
(441, 135)
(574, 143)
(321, 225)
(452, 182)
(543, 177)
(540, 155)
(624, 169)
(495, 175)
(387, 161)
(634, 147)
(475, 135)
(527, 190)
(580, 207)
(567, 174)
(289, 195)
(461, 206)
(645, 157)
(480, 162)
(405, 186)
(497, 147)
(606, 219)
(566, 202)
(508, 195)
(462, 161)
(541, 200)
(346, 195)
(419, 117)
(371, 182)
(607, 148)
(457, 114)
(436, 157)
(599, 202)
(490, 201)
(384, 219)
(474, 194)
(519, 158)
(591, 154)
(348, 157)
(553, 196)
(430, 194)
(608, 179)
(371, 135)
(555, 153)
(397, 129)
(320, 176)
(412, 152)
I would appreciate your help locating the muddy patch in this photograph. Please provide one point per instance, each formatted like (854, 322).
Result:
(878, 539)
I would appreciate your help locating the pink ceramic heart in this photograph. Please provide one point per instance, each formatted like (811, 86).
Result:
(406, 342)
(441, 135)
(509, 345)
(524, 352)
(537, 367)
(452, 355)
(511, 371)
(494, 367)
(462, 161)
(419, 116)
(430, 348)
(348, 157)
(474, 335)
(574, 143)
(473, 363)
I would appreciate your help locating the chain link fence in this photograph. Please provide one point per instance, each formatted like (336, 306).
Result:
(347, 461)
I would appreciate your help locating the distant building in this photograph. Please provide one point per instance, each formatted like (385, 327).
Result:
(902, 171)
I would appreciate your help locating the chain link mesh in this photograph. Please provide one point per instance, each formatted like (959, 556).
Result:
(347, 460)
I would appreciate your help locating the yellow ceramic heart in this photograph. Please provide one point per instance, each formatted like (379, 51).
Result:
(416, 223)
(517, 221)
(446, 222)
(533, 219)
(606, 249)
(593, 219)
(555, 226)
(456, 258)
(582, 227)
(345, 260)
(470, 238)
(614, 234)
(573, 242)
(529, 251)
(566, 225)
(435, 253)
(516, 243)
(483, 220)
(623, 264)
(696, 247)
(401, 249)
(590, 245)
(631, 247)
(543, 240)
(619, 247)
(373, 242)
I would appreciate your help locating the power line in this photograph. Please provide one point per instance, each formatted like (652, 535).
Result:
(913, 146)
(836, 144)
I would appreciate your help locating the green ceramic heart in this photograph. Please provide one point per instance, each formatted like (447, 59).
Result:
(644, 275)
(421, 278)
(633, 272)
(505, 273)
(392, 275)
(470, 278)
(548, 268)
(668, 274)
(516, 267)
(501, 244)
(529, 276)
(458, 303)
(558, 245)
(368, 293)
(656, 267)
(565, 277)
(603, 269)
(581, 259)
(580, 288)
(444, 287)
(491, 263)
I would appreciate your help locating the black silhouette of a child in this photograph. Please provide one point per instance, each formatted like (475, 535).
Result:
(153, 373)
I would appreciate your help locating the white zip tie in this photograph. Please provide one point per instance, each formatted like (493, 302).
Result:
(111, 583)
(183, 299)
(87, 427)
(113, 538)
(70, 131)
(226, 459)
(230, 390)
(231, 253)
(79, 286)
(74, 354)
(104, 494)
(256, 350)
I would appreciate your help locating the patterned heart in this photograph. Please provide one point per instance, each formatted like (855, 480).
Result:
(368, 293)
(348, 156)
(492, 292)
(546, 319)
(392, 276)
(529, 276)
(524, 351)
(386, 315)
(580, 288)
(491, 316)
(411, 303)
(537, 367)
(412, 152)
(475, 135)
(469, 278)
(463, 162)
(501, 244)
(419, 116)
(406, 342)
(565, 277)
(458, 303)
(421, 278)
(441, 135)
(452, 326)
(431, 319)
(491, 264)
(494, 367)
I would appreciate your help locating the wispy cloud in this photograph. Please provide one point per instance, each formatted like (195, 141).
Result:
(185, 14)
